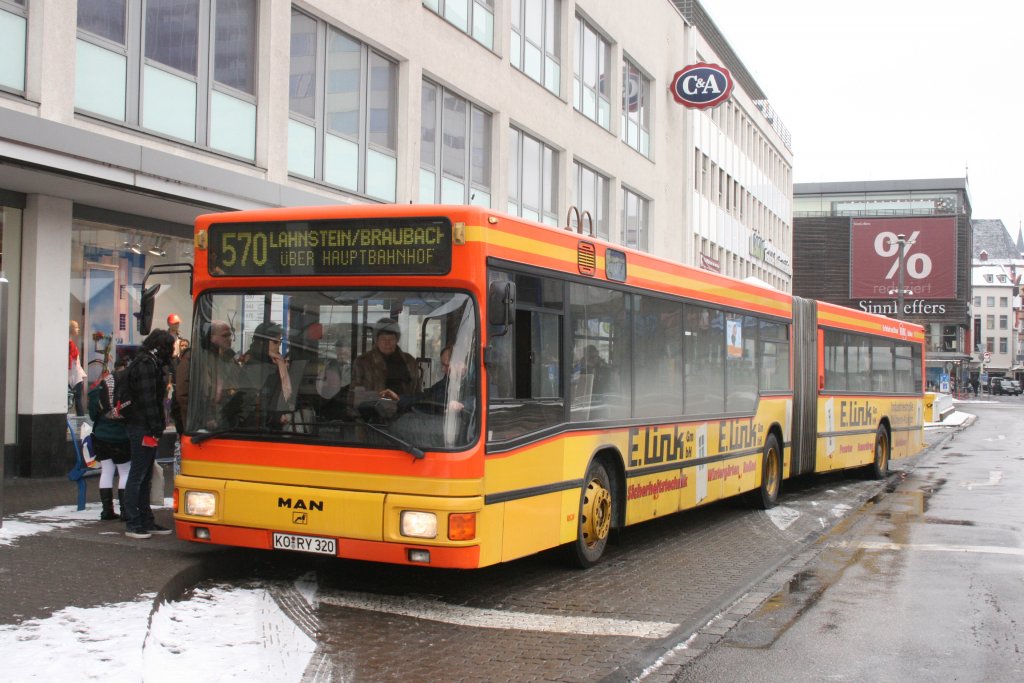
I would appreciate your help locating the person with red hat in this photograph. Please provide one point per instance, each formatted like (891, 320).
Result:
(173, 323)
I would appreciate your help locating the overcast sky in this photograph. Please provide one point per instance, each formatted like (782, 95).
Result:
(893, 89)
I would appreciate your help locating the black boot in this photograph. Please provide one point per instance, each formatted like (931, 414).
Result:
(107, 499)
(120, 503)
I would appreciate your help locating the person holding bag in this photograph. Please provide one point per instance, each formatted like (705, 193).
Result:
(110, 441)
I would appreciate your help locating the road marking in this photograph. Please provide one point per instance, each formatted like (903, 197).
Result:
(994, 479)
(433, 610)
(935, 547)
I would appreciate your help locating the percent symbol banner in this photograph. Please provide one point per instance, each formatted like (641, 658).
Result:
(929, 257)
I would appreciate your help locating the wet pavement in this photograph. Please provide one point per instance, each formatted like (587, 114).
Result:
(922, 583)
(632, 617)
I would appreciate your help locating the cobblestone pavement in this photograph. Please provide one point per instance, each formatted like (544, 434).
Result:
(665, 591)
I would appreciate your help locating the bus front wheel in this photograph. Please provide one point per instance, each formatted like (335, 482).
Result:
(595, 518)
(767, 494)
(879, 468)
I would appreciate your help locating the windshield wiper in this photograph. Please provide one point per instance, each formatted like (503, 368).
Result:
(404, 445)
(205, 436)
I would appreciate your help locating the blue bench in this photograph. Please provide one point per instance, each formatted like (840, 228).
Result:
(79, 472)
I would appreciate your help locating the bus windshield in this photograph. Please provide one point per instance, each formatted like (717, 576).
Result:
(389, 369)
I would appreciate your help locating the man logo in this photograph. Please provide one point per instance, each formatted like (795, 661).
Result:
(702, 86)
(300, 518)
(300, 504)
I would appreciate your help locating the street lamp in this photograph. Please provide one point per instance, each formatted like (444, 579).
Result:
(901, 241)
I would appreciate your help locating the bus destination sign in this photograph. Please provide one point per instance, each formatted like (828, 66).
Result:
(397, 246)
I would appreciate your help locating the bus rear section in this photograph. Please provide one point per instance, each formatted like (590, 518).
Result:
(859, 389)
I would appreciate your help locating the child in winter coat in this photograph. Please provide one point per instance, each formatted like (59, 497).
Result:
(110, 440)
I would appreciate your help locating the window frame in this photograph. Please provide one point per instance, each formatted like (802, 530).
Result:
(473, 127)
(643, 218)
(18, 10)
(475, 8)
(641, 117)
(600, 90)
(363, 139)
(138, 66)
(547, 177)
(549, 66)
(601, 192)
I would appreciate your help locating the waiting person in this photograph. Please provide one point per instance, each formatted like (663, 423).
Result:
(385, 367)
(266, 369)
(145, 423)
(76, 375)
(110, 441)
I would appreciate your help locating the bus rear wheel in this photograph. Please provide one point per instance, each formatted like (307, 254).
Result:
(879, 468)
(766, 496)
(595, 518)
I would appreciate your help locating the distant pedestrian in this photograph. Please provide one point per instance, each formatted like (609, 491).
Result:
(146, 377)
(110, 440)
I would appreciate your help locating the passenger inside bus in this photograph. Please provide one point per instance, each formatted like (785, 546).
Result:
(267, 371)
(333, 382)
(384, 368)
(218, 377)
(435, 398)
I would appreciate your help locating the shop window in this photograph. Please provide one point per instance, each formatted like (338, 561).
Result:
(107, 267)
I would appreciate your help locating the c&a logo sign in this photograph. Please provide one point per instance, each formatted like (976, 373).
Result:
(701, 86)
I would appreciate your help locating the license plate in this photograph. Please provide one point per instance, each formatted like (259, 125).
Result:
(306, 544)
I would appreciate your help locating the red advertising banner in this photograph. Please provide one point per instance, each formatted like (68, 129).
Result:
(929, 257)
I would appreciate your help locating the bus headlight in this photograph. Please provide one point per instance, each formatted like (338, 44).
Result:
(419, 524)
(200, 503)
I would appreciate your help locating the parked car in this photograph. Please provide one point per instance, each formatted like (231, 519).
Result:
(1006, 387)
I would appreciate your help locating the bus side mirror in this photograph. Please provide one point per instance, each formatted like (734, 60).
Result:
(501, 303)
(145, 314)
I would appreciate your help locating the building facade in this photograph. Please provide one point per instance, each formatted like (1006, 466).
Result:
(123, 120)
(997, 317)
(848, 250)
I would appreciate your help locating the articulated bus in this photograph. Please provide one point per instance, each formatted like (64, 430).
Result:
(463, 387)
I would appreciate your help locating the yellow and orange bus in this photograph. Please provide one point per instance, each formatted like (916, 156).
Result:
(583, 387)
